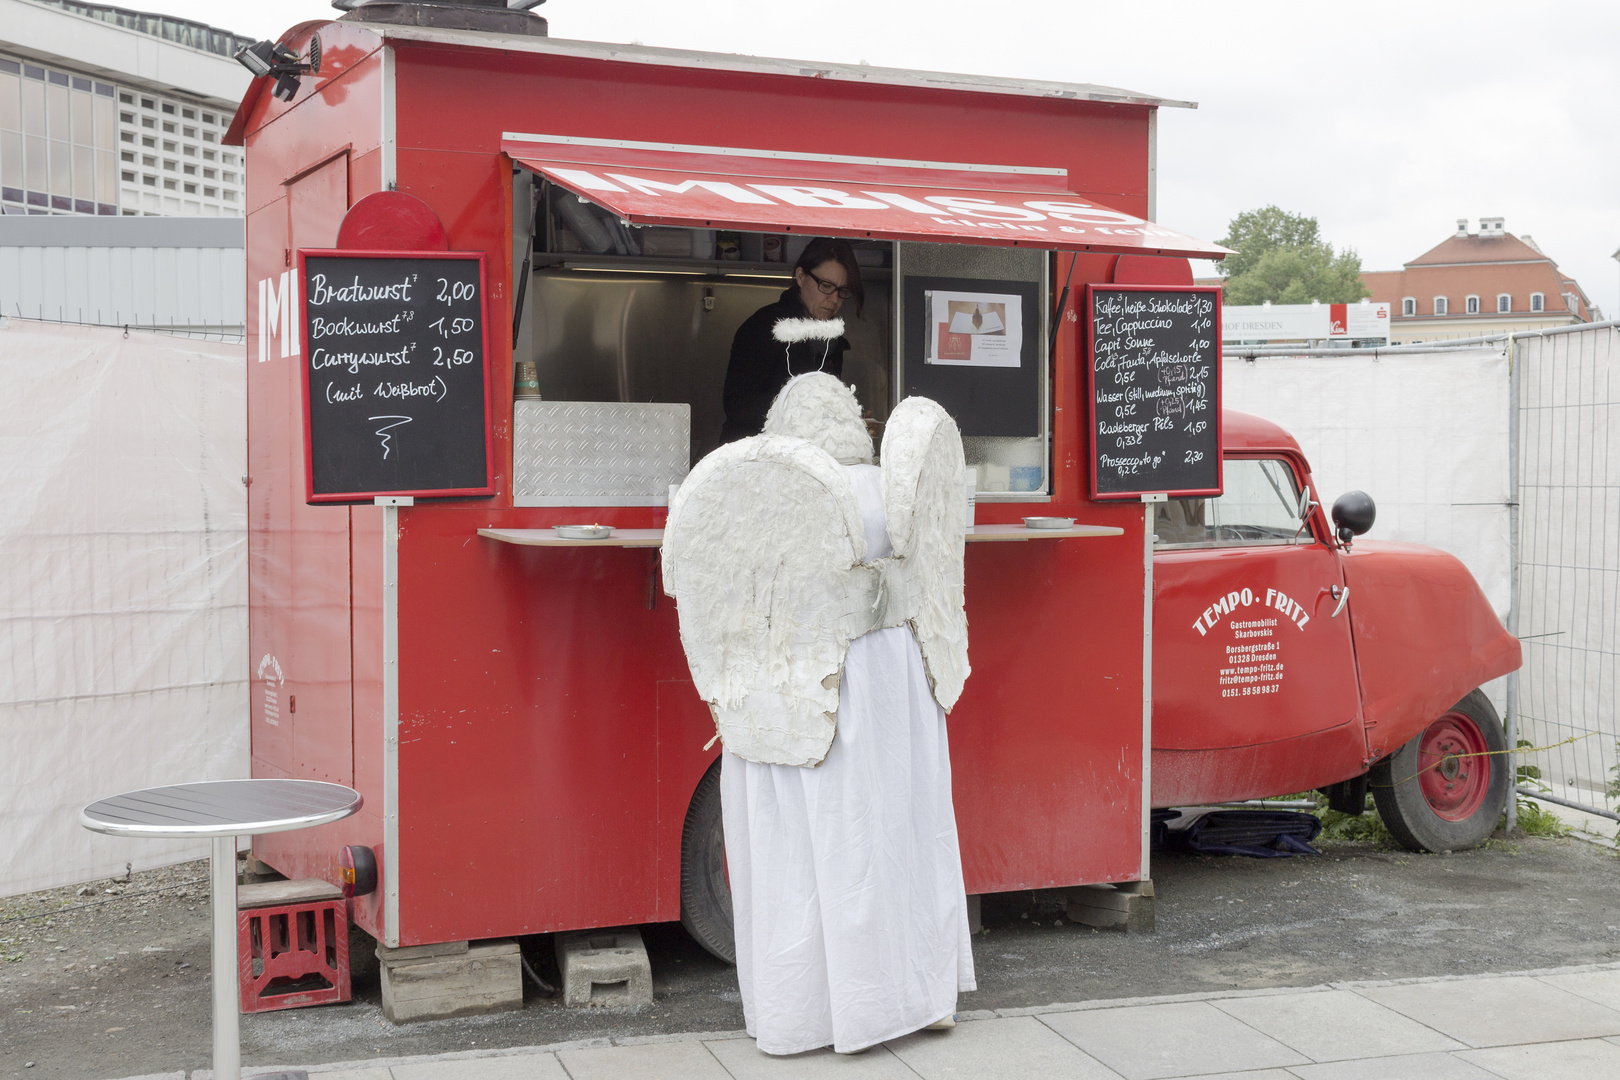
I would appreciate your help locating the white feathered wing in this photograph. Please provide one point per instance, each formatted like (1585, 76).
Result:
(763, 552)
(925, 507)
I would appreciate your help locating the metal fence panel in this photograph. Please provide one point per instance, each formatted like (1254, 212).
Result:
(1568, 563)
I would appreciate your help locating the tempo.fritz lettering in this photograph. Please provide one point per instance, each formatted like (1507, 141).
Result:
(1274, 599)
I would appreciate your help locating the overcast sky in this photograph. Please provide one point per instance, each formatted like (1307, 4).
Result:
(1386, 121)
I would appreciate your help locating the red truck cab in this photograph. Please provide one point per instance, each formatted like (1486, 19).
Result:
(1286, 660)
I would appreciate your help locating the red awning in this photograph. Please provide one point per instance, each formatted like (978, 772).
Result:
(711, 187)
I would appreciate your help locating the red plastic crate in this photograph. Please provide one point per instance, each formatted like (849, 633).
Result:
(293, 954)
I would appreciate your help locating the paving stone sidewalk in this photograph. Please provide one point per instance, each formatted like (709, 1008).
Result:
(1560, 1024)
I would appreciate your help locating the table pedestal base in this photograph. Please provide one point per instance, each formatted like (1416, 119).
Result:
(227, 1016)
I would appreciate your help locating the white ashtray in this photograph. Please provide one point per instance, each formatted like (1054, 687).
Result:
(584, 532)
(1048, 523)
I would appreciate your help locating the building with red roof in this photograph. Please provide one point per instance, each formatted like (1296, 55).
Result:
(1473, 284)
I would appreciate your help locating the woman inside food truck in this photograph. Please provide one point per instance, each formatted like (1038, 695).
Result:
(825, 276)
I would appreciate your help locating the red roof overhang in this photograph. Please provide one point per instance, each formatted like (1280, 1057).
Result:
(710, 187)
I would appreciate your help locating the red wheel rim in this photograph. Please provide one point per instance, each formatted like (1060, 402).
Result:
(1456, 775)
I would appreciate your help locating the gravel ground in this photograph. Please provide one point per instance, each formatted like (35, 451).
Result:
(115, 984)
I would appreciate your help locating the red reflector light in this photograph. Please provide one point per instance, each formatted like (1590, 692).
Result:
(357, 869)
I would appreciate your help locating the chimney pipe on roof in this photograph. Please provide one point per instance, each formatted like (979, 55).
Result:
(1491, 227)
(1462, 228)
(497, 16)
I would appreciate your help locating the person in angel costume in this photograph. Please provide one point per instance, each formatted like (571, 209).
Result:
(820, 605)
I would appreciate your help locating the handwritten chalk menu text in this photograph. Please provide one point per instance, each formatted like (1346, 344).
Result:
(395, 396)
(1155, 378)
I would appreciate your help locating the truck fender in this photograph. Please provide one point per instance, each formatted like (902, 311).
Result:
(1424, 637)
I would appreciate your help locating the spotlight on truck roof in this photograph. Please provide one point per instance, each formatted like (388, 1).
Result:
(257, 58)
(267, 58)
(286, 86)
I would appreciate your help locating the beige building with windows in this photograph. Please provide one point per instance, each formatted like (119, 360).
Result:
(107, 111)
(1477, 284)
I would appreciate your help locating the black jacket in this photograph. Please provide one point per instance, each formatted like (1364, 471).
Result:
(760, 365)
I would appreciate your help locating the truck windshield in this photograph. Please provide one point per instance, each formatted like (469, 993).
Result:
(1260, 506)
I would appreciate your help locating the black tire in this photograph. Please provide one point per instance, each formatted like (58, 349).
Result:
(1437, 793)
(705, 891)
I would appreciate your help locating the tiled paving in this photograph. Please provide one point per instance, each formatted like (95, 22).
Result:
(1561, 1024)
(1336, 1025)
(1152, 1042)
(1500, 1011)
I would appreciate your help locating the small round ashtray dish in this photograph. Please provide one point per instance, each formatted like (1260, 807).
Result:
(1048, 523)
(584, 532)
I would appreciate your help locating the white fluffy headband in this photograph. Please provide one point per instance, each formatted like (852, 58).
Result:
(791, 330)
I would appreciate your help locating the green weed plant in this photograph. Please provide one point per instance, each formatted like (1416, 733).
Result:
(1535, 820)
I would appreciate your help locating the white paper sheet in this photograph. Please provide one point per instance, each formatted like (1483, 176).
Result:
(974, 329)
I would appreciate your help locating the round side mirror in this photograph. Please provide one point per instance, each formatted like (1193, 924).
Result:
(1353, 514)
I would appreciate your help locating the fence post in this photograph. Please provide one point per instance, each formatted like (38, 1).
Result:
(1511, 719)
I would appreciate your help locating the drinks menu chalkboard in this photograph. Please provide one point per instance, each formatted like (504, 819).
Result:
(1155, 390)
(396, 398)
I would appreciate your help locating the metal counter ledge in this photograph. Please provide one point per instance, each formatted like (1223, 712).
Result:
(646, 538)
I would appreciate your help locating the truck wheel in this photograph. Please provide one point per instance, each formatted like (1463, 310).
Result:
(705, 890)
(1437, 793)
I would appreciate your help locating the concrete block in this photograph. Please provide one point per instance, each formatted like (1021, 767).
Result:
(283, 892)
(975, 921)
(480, 977)
(1126, 906)
(604, 968)
(415, 952)
(253, 869)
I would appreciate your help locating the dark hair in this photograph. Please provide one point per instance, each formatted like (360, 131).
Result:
(835, 249)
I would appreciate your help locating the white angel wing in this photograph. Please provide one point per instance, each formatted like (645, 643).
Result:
(925, 507)
(763, 552)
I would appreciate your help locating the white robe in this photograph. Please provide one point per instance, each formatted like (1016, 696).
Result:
(846, 878)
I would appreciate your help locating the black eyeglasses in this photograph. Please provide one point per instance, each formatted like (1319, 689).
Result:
(828, 288)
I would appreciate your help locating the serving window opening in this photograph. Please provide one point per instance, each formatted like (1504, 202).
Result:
(629, 331)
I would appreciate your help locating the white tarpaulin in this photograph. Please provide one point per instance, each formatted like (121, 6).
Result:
(123, 586)
(1425, 434)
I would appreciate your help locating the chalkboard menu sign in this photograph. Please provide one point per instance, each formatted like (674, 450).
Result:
(396, 400)
(1155, 390)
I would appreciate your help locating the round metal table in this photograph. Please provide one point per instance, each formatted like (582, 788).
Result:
(222, 810)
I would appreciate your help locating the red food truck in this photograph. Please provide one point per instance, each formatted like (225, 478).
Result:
(493, 279)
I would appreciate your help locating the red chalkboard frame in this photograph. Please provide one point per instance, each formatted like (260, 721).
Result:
(1091, 393)
(310, 495)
